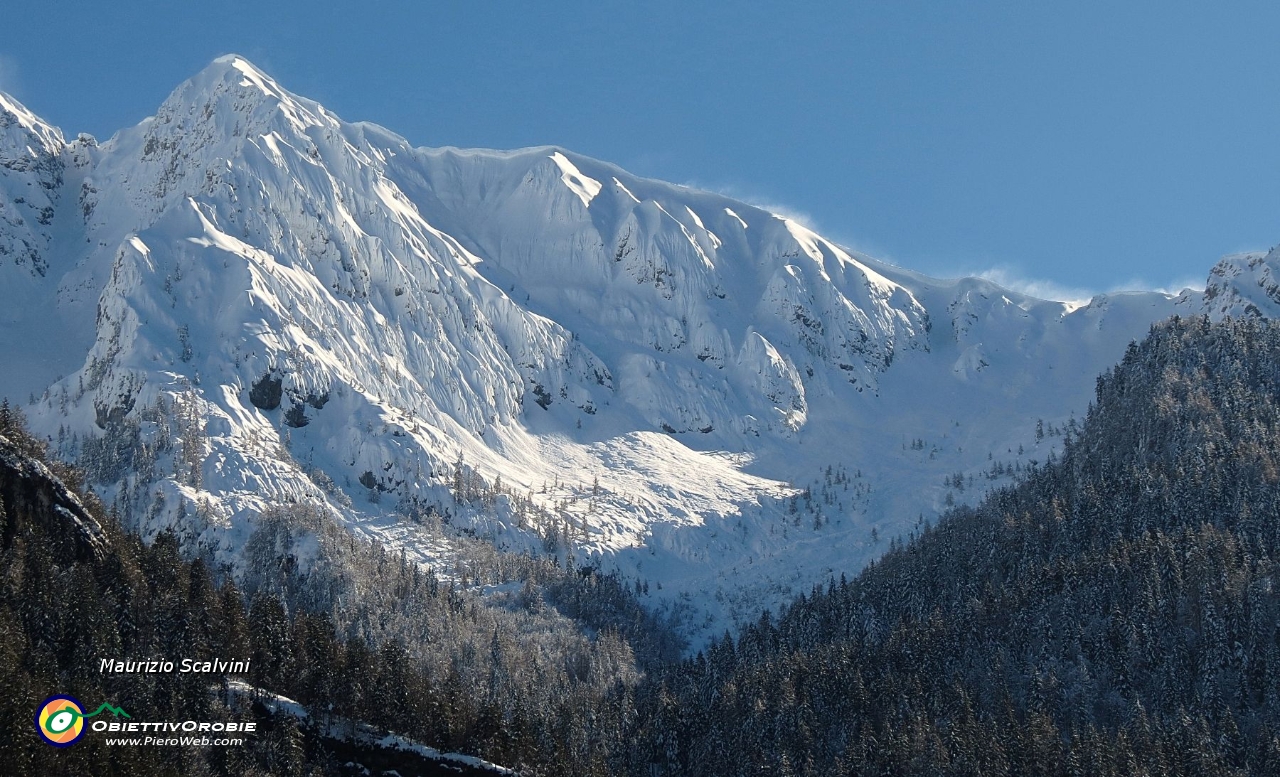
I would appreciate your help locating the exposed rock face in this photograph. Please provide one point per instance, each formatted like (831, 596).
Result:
(30, 491)
(265, 393)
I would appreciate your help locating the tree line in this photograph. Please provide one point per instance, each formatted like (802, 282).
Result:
(1112, 612)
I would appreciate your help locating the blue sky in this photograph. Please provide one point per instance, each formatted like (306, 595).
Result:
(1084, 146)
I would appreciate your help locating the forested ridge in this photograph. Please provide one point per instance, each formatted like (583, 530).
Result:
(361, 638)
(1114, 613)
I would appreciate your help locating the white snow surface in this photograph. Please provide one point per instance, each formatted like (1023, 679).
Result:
(659, 367)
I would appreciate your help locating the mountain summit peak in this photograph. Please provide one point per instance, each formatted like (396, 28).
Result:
(234, 75)
(232, 59)
(250, 75)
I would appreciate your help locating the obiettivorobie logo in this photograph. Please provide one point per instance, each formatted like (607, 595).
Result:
(60, 719)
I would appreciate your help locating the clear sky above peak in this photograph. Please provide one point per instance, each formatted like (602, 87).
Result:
(1090, 147)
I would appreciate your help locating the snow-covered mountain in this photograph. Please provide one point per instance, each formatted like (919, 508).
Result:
(246, 300)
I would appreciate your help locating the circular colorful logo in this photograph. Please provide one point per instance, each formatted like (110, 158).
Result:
(60, 720)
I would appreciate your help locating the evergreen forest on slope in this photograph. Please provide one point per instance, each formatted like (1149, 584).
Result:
(1115, 613)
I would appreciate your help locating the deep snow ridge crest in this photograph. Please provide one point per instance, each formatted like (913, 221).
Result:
(19, 127)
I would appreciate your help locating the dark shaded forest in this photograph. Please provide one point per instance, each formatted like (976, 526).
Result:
(1115, 613)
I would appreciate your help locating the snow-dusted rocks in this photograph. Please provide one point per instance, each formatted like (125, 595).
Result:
(245, 299)
(1244, 285)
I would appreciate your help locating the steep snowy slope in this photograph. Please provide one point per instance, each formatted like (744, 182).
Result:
(31, 175)
(254, 301)
(35, 166)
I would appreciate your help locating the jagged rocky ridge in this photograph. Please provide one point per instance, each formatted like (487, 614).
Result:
(245, 300)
